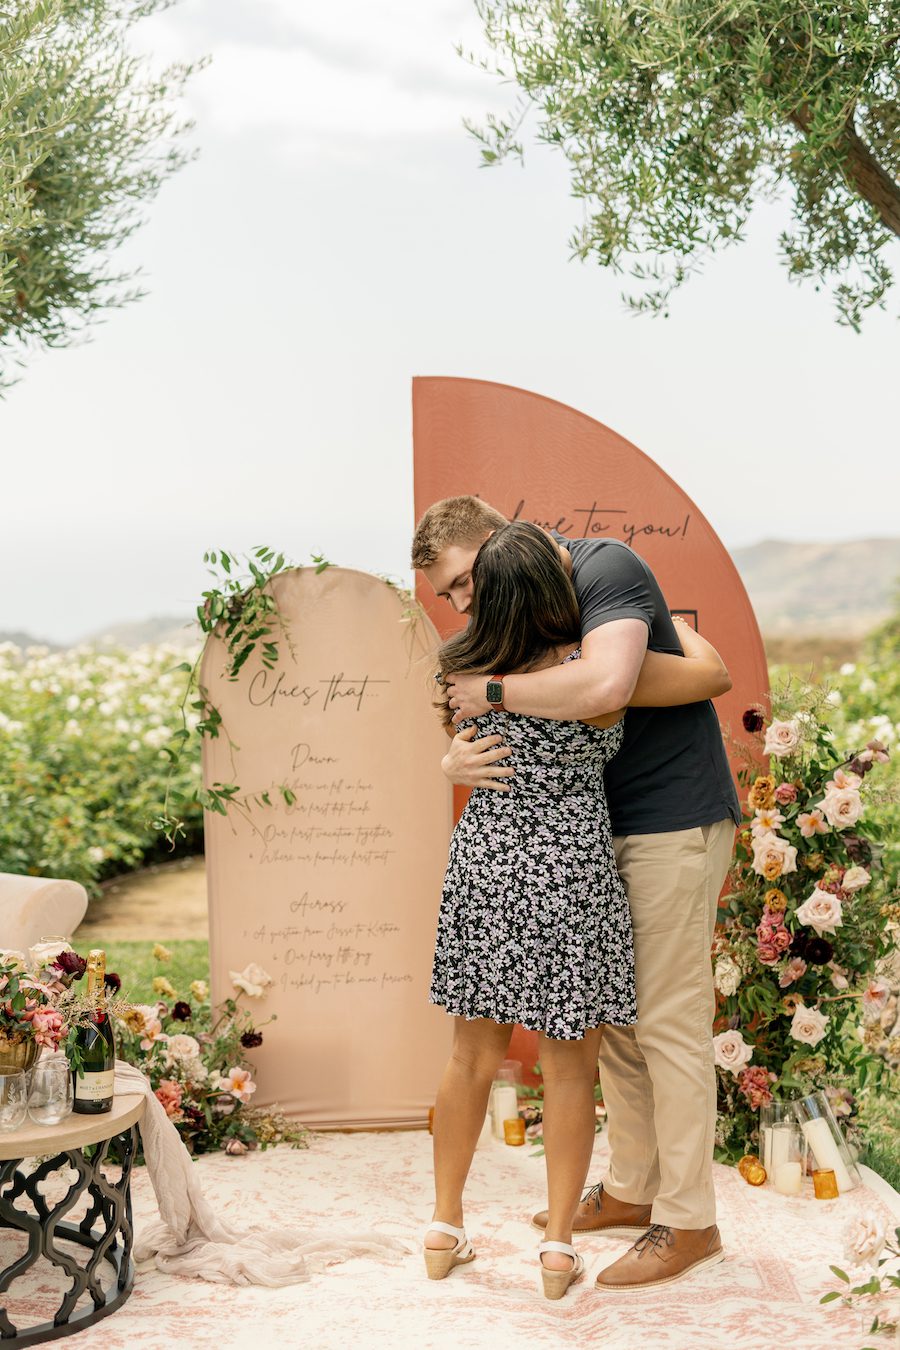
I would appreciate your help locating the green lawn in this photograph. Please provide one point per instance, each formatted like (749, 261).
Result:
(135, 963)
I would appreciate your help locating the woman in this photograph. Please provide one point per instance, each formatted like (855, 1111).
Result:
(534, 925)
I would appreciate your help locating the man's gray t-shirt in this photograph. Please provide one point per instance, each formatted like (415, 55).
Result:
(672, 772)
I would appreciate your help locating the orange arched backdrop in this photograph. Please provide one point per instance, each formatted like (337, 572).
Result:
(539, 460)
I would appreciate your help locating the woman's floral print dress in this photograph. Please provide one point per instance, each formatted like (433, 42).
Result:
(534, 925)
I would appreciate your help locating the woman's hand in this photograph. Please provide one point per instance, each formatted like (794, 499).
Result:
(477, 763)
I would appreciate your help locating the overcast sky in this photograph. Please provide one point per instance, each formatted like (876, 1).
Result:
(336, 237)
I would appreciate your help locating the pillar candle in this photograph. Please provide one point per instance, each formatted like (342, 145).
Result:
(504, 1105)
(776, 1147)
(789, 1179)
(828, 1155)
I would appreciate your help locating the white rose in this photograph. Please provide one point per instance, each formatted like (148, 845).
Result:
(768, 848)
(855, 878)
(727, 975)
(10, 957)
(43, 952)
(252, 980)
(864, 1239)
(842, 807)
(821, 911)
(181, 1047)
(731, 1051)
(808, 1025)
(782, 738)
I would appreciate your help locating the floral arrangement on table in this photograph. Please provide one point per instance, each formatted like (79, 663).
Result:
(808, 917)
(195, 1056)
(39, 1006)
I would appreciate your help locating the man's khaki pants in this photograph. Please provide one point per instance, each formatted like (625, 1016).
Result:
(658, 1077)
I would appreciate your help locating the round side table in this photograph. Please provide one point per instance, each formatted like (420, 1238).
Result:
(105, 1229)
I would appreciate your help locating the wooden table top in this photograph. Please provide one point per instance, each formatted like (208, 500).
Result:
(30, 1140)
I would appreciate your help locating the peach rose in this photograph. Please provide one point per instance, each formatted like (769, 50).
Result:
(822, 911)
(855, 878)
(731, 1051)
(842, 807)
(864, 1239)
(782, 738)
(808, 1025)
(773, 856)
(252, 980)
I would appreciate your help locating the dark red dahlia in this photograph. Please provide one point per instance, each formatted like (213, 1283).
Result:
(251, 1039)
(181, 1011)
(819, 951)
(112, 981)
(753, 720)
(70, 963)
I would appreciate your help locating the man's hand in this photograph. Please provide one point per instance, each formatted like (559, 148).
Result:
(472, 763)
(467, 696)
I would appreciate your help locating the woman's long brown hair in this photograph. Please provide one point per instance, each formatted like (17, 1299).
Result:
(523, 606)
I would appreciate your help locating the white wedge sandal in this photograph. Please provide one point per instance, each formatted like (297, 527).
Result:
(556, 1282)
(439, 1261)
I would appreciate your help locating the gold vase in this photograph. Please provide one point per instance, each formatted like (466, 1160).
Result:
(17, 1056)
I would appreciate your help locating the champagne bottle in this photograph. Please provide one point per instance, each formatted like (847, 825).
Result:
(94, 1039)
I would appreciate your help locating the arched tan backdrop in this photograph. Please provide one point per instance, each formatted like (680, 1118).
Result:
(540, 460)
(336, 895)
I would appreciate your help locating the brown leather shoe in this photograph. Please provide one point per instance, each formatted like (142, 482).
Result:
(661, 1256)
(600, 1213)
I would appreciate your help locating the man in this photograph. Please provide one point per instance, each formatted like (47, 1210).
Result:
(673, 807)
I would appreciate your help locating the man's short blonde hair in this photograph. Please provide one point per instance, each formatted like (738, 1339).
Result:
(454, 521)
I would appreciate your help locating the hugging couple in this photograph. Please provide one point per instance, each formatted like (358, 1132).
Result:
(582, 884)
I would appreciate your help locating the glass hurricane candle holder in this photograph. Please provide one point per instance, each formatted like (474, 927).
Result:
(826, 1141)
(782, 1146)
(505, 1095)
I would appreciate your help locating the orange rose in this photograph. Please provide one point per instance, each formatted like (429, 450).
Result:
(762, 794)
(776, 900)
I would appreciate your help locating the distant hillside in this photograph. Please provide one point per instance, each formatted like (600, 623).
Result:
(182, 632)
(27, 640)
(843, 588)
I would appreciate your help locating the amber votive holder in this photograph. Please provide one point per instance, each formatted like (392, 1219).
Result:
(514, 1131)
(825, 1183)
(431, 1120)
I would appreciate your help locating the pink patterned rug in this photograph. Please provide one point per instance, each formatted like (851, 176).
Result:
(764, 1296)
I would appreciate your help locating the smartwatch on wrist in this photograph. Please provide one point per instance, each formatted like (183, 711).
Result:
(494, 692)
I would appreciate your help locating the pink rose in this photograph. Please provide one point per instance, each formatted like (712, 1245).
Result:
(781, 940)
(785, 794)
(169, 1093)
(731, 1051)
(782, 738)
(767, 953)
(821, 911)
(793, 971)
(842, 807)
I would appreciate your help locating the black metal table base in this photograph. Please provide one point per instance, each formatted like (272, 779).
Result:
(106, 1230)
